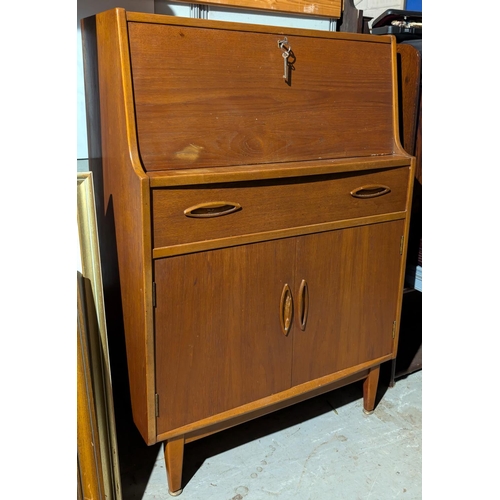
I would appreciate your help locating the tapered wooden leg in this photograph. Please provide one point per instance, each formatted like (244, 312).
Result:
(174, 456)
(370, 390)
(392, 382)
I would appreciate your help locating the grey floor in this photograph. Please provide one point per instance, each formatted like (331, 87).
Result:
(324, 448)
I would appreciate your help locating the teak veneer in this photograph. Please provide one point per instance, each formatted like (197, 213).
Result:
(253, 214)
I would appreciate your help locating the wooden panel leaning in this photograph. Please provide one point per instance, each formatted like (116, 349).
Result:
(90, 480)
(319, 8)
(254, 214)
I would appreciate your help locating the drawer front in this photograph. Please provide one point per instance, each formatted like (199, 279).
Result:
(208, 97)
(198, 213)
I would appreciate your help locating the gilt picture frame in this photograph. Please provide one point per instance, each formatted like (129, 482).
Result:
(93, 310)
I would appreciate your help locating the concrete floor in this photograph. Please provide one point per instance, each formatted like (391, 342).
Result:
(324, 448)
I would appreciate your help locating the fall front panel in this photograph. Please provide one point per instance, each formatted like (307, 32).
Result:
(209, 97)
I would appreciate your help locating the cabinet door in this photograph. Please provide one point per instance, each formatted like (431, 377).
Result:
(352, 278)
(219, 341)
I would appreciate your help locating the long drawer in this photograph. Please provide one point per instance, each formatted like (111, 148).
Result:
(206, 212)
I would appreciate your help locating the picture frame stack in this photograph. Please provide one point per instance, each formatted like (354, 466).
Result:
(98, 464)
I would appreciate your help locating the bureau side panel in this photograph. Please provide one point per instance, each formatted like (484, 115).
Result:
(122, 192)
(404, 253)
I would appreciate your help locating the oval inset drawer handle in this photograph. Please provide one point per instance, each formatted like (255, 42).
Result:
(286, 309)
(212, 209)
(371, 191)
(303, 304)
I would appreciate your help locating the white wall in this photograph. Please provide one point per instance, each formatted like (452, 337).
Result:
(373, 8)
(86, 8)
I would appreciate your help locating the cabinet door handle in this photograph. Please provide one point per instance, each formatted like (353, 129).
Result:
(286, 309)
(303, 304)
(212, 209)
(371, 191)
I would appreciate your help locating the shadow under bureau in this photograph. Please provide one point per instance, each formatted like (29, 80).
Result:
(253, 214)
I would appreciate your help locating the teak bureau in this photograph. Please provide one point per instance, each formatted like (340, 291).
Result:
(255, 201)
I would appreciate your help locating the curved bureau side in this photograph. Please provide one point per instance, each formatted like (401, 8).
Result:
(123, 205)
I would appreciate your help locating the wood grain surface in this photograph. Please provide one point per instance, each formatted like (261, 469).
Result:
(273, 205)
(317, 8)
(207, 97)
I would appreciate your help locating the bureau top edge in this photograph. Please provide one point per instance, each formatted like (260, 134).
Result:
(143, 17)
(185, 177)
